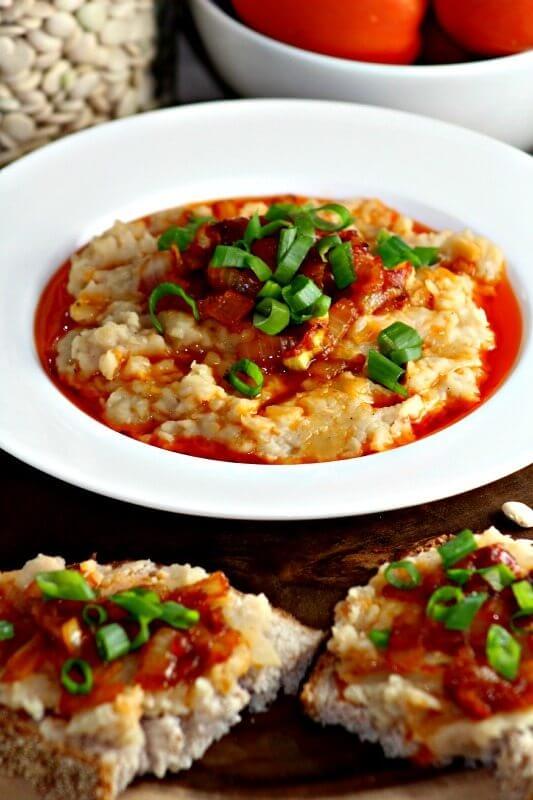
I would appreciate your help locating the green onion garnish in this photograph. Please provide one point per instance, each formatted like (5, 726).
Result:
(7, 630)
(345, 218)
(283, 211)
(442, 601)
(143, 633)
(385, 372)
(254, 229)
(73, 685)
(396, 571)
(462, 613)
(181, 236)
(178, 616)
(301, 293)
(235, 257)
(380, 639)
(326, 244)
(94, 615)
(523, 592)
(319, 309)
(394, 251)
(64, 584)
(503, 652)
(112, 641)
(270, 289)
(249, 368)
(163, 290)
(271, 316)
(138, 605)
(342, 266)
(498, 576)
(460, 576)
(400, 343)
(292, 249)
(457, 548)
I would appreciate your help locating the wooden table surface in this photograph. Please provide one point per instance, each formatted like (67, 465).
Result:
(304, 567)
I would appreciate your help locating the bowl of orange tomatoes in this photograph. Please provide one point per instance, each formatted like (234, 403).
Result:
(469, 62)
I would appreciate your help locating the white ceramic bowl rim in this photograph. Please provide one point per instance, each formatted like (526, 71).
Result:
(63, 194)
(455, 70)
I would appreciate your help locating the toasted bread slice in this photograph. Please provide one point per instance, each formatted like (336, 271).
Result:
(67, 746)
(428, 692)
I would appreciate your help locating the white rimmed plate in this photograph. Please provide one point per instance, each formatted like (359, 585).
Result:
(55, 199)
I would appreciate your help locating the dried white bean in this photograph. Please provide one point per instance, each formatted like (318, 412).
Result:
(92, 16)
(66, 64)
(19, 126)
(61, 25)
(518, 512)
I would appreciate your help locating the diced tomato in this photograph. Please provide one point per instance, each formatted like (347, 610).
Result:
(241, 280)
(228, 308)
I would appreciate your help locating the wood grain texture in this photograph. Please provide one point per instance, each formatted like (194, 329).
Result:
(305, 568)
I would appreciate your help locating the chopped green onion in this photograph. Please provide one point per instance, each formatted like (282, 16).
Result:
(304, 225)
(461, 615)
(270, 289)
(181, 236)
(254, 229)
(523, 592)
(460, 576)
(442, 601)
(380, 639)
(112, 641)
(342, 266)
(235, 257)
(283, 211)
(498, 576)
(345, 217)
(398, 336)
(250, 369)
(393, 575)
(292, 249)
(385, 372)
(7, 630)
(94, 615)
(321, 307)
(163, 290)
(518, 629)
(457, 548)
(147, 594)
(394, 251)
(178, 616)
(405, 355)
(271, 316)
(143, 633)
(427, 255)
(138, 605)
(301, 293)
(71, 684)
(326, 244)
(64, 584)
(503, 652)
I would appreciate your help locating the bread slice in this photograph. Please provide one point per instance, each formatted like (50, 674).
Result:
(406, 709)
(95, 753)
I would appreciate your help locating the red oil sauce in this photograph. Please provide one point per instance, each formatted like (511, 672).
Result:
(53, 321)
(503, 313)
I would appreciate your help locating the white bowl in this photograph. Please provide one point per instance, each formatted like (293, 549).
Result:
(67, 192)
(493, 96)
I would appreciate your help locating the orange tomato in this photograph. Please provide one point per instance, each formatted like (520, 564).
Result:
(367, 30)
(488, 27)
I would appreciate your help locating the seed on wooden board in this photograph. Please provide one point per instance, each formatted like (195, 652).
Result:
(518, 512)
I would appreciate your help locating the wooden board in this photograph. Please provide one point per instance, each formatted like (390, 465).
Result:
(305, 568)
